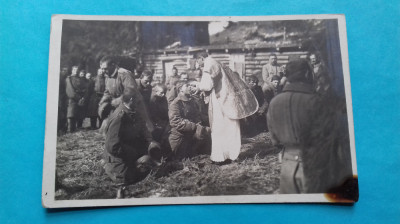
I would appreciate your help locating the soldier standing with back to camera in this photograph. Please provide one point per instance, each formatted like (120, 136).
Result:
(297, 123)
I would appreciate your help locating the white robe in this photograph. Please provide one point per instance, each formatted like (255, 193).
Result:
(225, 132)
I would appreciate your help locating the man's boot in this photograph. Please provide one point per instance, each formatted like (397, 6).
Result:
(93, 122)
(100, 121)
(79, 123)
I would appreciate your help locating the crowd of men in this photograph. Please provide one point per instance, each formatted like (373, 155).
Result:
(146, 119)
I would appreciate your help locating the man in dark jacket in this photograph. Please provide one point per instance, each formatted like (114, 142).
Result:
(128, 144)
(99, 88)
(93, 104)
(273, 89)
(297, 123)
(118, 80)
(188, 135)
(321, 80)
(77, 90)
(144, 85)
(255, 123)
(158, 109)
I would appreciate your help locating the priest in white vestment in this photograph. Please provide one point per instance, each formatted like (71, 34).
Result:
(230, 100)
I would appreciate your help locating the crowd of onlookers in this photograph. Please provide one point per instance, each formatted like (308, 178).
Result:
(144, 118)
(80, 93)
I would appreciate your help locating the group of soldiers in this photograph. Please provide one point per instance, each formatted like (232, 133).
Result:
(146, 119)
(79, 94)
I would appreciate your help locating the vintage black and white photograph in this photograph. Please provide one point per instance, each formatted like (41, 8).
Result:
(198, 110)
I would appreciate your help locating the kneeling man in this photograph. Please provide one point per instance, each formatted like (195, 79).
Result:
(130, 151)
(188, 135)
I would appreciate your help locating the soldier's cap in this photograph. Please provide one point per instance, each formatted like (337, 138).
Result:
(275, 77)
(251, 76)
(298, 71)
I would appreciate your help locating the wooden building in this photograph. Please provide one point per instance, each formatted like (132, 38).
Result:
(242, 58)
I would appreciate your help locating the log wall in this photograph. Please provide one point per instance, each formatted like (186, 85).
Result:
(253, 62)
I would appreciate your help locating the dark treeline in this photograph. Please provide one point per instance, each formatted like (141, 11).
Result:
(84, 43)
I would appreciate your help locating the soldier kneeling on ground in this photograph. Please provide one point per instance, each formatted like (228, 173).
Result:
(130, 152)
(189, 136)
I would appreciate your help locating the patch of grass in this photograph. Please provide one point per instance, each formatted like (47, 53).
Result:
(80, 173)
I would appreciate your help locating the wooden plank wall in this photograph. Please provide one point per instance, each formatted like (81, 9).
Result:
(253, 63)
(152, 61)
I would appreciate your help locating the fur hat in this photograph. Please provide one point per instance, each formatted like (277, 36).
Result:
(299, 71)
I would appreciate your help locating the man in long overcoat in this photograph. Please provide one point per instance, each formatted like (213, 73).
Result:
(321, 80)
(93, 103)
(256, 123)
(118, 80)
(99, 88)
(158, 110)
(144, 85)
(77, 90)
(299, 124)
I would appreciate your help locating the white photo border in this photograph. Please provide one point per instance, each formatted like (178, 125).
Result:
(49, 161)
